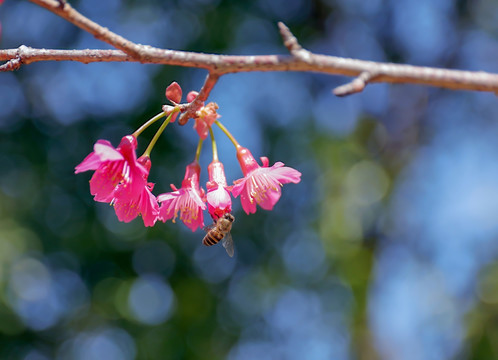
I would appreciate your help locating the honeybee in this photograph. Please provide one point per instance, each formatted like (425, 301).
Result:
(220, 230)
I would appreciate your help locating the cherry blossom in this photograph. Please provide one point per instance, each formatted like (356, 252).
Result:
(128, 208)
(218, 195)
(261, 185)
(113, 168)
(188, 200)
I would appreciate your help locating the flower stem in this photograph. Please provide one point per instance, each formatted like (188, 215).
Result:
(213, 143)
(198, 151)
(148, 123)
(227, 133)
(158, 134)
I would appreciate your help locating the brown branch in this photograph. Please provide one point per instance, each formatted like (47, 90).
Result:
(28, 55)
(66, 11)
(225, 64)
(218, 65)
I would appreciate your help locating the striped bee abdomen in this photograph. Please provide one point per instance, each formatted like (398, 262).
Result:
(212, 237)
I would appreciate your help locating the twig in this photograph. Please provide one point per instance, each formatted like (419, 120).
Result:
(191, 108)
(291, 43)
(297, 51)
(356, 85)
(11, 65)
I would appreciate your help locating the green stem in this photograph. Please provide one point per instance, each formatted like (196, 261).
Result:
(213, 143)
(198, 151)
(227, 133)
(148, 123)
(158, 134)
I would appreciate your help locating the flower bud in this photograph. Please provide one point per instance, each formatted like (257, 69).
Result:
(191, 96)
(174, 93)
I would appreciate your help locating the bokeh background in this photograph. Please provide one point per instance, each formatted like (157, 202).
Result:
(387, 249)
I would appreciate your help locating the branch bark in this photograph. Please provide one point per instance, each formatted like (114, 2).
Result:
(299, 59)
(226, 64)
(66, 11)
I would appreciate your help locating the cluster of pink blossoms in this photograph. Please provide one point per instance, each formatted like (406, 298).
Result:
(121, 179)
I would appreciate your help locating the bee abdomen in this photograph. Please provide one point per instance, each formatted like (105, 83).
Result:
(212, 238)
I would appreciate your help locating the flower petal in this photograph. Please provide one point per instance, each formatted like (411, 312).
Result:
(126, 211)
(103, 151)
(104, 181)
(285, 174)
(91, 162)
(238, 186)
(248, 203)
(219, 202)
(270, 199)
(106, 151)
(149, 208)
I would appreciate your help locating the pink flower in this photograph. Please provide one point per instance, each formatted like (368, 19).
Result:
(261, 185)
(188, 200)
(128, 208)
(204, 119)
(114, 167)
(218, 195)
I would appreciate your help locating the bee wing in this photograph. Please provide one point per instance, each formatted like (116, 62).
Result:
(208, 227)
(227, 243)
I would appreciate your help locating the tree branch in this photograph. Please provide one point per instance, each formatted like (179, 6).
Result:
(225, 64)
(66, 11)
(299, 59)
